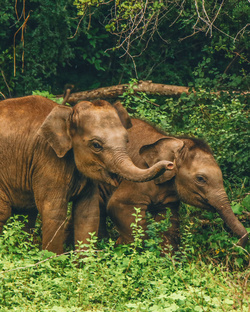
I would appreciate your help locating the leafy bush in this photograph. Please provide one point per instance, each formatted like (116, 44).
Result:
(48, 95)
(55, 46)
(204, 236)
(112, 279)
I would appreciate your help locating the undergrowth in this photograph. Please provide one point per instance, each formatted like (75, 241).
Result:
(124, 278)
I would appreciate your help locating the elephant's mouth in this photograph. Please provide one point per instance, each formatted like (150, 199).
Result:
(111, 178)
(115, 178)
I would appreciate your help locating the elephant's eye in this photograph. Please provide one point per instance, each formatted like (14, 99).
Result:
(96, 146)
(200, 179)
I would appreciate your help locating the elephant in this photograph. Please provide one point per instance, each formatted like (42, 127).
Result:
(51, 155)
(196, 180)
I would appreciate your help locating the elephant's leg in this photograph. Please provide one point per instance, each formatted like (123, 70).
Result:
(83, 221)
(86, 215)
(102, 231)
(54, 219)
(122, 216)
(53, 210)
(121, 207)
(105, 192)
(5, 213)
(69, 232)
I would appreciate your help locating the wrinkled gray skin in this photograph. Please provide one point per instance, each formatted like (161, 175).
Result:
(195, 180)
(52, 154)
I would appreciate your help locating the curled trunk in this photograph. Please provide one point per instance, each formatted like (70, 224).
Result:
(125, 168)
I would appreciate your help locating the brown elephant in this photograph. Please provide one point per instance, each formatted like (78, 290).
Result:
(52, 154)
(195, 180)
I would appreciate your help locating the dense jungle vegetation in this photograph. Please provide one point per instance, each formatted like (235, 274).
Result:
(89, 43)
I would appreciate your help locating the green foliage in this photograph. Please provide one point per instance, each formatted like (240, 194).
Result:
(93, 55)
(116, 40)
(14, 240)
(203, 235)
(48, 95)
(82, 5)
(111, 280)
(165, 41)
(137, 230)
(155, 231)
(53, 50)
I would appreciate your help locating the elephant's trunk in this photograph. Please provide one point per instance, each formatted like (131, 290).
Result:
(125, 168)
(224, 209)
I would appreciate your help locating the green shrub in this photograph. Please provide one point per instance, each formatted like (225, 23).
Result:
(111, 280)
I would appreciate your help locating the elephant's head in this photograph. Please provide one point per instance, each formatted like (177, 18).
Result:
(198, 178)
(96, 133)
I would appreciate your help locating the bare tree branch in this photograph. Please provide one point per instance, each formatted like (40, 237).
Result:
(114, 92)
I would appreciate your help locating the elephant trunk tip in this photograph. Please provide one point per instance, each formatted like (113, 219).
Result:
(243, 240)
(170, 165)
(163, 165)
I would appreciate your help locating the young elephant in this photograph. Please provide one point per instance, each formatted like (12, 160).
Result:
(195, 180)
(52, 154)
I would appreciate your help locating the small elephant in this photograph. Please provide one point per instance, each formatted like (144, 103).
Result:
(52, 154)
(195, 180)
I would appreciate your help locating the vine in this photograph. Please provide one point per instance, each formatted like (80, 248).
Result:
(22, 28)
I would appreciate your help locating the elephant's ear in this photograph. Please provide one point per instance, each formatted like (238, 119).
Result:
(163, 149)
(123, 115)
(55, 130)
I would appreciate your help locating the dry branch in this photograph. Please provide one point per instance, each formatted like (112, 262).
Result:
(115, 91)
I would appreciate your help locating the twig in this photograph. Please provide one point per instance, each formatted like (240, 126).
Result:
(232, 61)
(247, 25)
(3, 95)
(22, 40)
(47, 259)
(16, 10)
(238, 54)
(78, 25)
(56, 233)
(6, 83)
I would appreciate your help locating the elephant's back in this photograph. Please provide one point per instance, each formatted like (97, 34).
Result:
(143, 133)
(23, 114)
